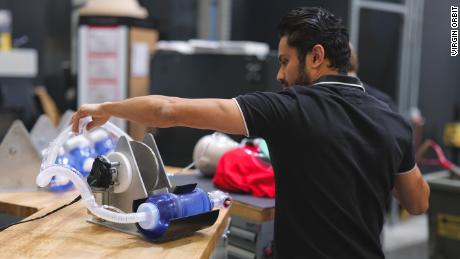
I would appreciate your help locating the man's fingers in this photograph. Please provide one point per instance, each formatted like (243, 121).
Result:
(91, 125)
(84, 111)
(97, 122)
(75, 122)
(76, 119)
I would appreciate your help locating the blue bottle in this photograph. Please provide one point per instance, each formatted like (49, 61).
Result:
(80, 153)
(59, 183)
(171, 206)
(102, 141)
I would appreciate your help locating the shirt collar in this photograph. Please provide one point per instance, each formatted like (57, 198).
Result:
(341, 80)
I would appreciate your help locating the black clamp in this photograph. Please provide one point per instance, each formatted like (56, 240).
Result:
(102, 173)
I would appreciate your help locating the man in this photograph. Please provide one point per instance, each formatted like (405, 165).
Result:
(337, 152)
(353, 70)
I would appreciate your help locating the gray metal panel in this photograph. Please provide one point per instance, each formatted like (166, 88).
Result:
(163, 180)
(354, 23)
(136, 190)
(215, 19)
(415, 68)
(43, 133)
(19, 160)
(384, 6)
(147, 164)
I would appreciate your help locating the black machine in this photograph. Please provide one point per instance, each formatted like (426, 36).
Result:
(205, 76)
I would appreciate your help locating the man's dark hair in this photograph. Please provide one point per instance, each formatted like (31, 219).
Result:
(307, 26)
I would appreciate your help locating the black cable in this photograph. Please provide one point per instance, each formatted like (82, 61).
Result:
(47, 214)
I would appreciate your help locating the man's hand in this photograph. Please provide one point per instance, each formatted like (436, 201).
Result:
(95, 111)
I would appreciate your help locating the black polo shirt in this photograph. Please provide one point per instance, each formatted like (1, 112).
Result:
(335, 150)
(380, 96)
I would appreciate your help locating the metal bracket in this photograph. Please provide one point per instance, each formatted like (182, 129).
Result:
(136, 190)
(149, 177)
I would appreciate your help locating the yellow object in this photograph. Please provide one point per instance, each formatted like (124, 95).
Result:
(48, 104)
(5, 41)
(452, 134)
(448, 226)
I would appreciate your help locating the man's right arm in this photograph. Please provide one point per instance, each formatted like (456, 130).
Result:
(162, 111)
(412, 191)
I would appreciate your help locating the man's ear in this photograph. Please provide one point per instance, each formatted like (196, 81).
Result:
(317, 56)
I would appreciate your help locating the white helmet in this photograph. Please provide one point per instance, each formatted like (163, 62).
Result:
(209, 149)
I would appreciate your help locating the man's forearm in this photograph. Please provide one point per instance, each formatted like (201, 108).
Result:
(147, 110)
(412, 191)
(163, 112)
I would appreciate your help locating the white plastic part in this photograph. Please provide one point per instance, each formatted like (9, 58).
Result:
(88, 164)
(49, 169)
(153, 215)
(77, 142)
(125, 174)
(209, 149)
(98, 135)
(119, 8)
(60, 180)
(219, 199)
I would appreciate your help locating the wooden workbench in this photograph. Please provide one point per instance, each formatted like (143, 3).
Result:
(251, 212)
(67, 234)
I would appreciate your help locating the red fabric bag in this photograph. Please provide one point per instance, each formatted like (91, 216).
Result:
(243, 170)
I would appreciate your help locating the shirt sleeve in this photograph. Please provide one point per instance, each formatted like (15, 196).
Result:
(264, 112)
(408, 161)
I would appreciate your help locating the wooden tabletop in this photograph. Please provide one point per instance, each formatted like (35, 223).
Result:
(251, 212)
(67, 234)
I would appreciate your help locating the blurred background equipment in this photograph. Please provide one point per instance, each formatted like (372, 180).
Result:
(452, 136)
(406, 19)
(117, 8)
(115, 43)
(5, 30)
(209, 149)
(444, 215)
(203, 75)
(18, 68)
(215, 19)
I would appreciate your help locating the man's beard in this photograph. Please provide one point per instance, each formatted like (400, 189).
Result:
(302, 77)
